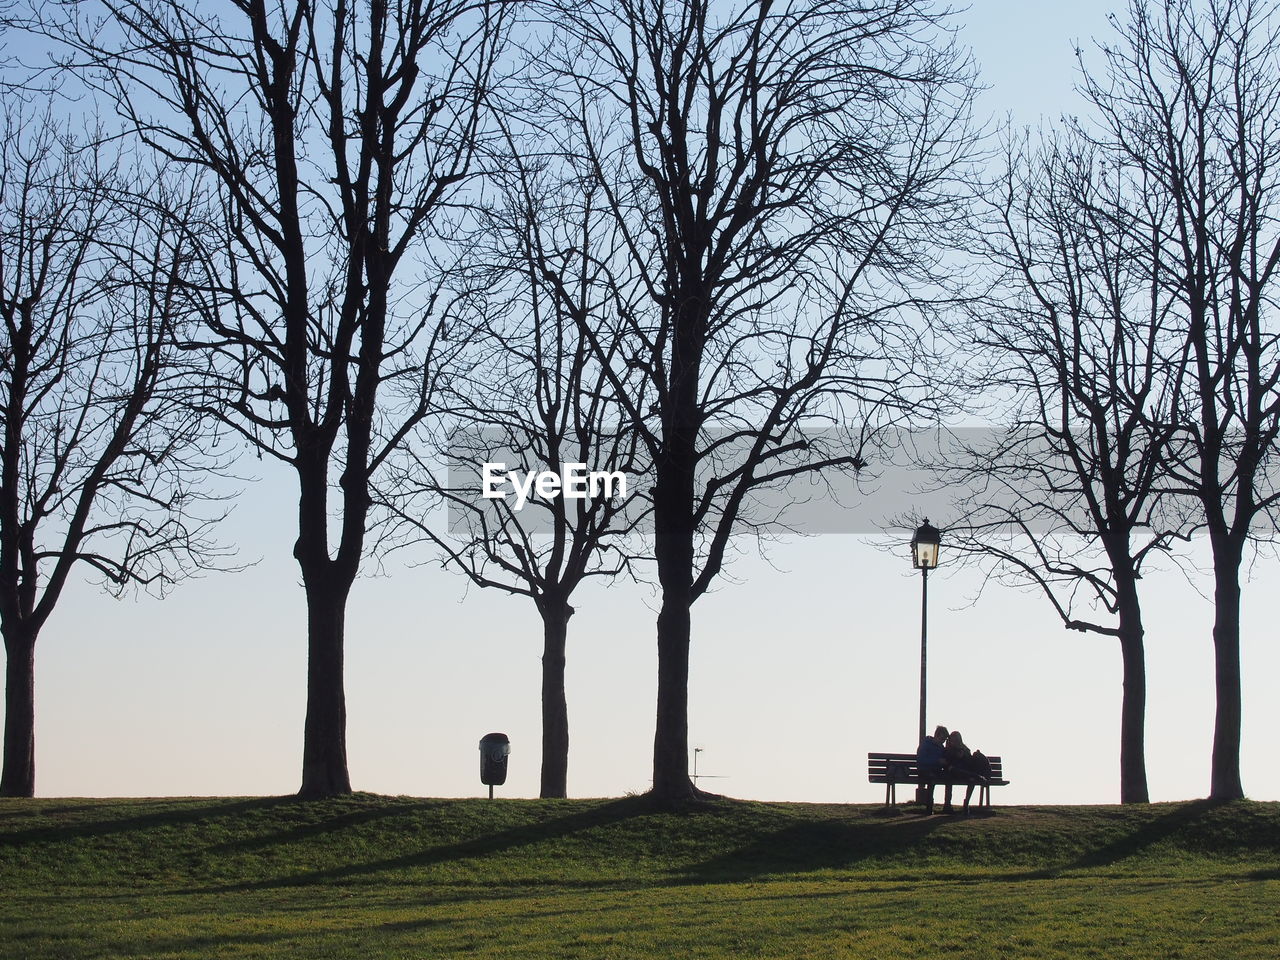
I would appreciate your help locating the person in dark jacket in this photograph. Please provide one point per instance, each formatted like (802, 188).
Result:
(931, 762)
(957, 760)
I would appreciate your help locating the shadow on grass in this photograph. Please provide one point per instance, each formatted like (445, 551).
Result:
(176, 813)
(19, 809)
(332, 823)
(822, 846)
(491, 843)
(814, 846)
(1271, 874)
(1142, 839)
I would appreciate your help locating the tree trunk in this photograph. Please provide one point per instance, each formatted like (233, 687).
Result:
(324, 743)
(675, 472)
(19, 777)
(555, 708)
(327, 583)
(1225, 776)
(673, 551)
(673, 499)
(1133, 705)
(671, 740)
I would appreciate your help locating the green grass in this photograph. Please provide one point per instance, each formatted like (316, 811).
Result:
(371, 877)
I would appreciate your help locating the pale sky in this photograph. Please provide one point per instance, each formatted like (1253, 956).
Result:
(800, 665)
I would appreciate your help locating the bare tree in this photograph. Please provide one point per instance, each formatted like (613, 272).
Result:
(337, 136)
(99, 446)
(1186, 112)
(1071, 345)
(776, 172)
(537, 399)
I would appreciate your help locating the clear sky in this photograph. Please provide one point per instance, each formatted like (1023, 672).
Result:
(800, 665)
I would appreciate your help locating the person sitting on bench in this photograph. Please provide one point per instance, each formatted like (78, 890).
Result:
(958, 760)
(930, 760)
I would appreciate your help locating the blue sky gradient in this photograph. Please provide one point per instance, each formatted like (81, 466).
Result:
(801, 663)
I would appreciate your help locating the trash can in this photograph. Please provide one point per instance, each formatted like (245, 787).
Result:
(494, 750)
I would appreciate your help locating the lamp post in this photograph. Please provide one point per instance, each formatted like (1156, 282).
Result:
(924, 557)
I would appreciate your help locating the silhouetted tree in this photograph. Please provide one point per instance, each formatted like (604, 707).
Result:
(337, 136)
(777, 173)
(1186, 115)
(537, 398)
(99, 446)
(1070, 346)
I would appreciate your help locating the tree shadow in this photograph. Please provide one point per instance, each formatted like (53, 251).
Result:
(814, 846)
(1269, 874)
(817, 846)
(333, 823)
(481, 846)
(17, 809)
(1134, 842)
(187, 812)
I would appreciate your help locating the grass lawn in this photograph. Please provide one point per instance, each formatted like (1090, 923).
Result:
(373, 877)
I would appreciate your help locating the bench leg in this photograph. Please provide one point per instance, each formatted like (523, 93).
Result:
(890, 794)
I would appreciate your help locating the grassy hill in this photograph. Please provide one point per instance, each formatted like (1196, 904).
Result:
(370, 876)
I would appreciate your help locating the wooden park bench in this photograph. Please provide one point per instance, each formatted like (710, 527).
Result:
(892, 769)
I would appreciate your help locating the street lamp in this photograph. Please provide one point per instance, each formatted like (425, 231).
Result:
(924, 557)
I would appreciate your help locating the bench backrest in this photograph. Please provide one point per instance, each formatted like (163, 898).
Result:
(901, 767)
